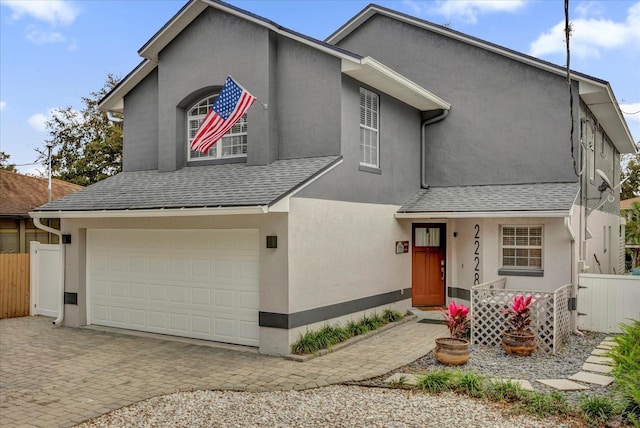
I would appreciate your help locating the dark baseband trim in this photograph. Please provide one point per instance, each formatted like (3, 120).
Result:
(70, 298)
(297, 319)
(459, 293)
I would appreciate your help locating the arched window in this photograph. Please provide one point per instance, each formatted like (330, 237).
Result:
(232, 145)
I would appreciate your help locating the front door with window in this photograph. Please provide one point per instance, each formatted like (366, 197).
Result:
(428, 261)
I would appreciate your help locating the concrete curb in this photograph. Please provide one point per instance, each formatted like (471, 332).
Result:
(355, 339)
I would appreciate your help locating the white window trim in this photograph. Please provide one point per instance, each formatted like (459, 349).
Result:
(515, 246)
(215, 153)
(376, 131)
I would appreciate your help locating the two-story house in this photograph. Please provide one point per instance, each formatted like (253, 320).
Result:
(396, 164)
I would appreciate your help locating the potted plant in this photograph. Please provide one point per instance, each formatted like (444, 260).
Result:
(519, 340)
(454, 350)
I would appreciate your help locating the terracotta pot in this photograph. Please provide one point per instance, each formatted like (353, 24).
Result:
(520, 343)
(452, 352)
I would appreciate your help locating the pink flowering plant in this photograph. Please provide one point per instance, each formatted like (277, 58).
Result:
(519, 314)
(457, 318)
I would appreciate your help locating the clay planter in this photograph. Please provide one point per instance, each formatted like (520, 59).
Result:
(452, 352)
(520, 343)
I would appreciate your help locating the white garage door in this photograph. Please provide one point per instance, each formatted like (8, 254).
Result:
(193, 283)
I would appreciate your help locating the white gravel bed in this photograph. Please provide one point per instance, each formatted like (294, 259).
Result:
(333, 406)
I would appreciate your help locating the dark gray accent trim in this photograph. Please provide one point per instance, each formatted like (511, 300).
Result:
(70, 298)
(297, 319)
(460, 293)
(520, 272)
(369, 169)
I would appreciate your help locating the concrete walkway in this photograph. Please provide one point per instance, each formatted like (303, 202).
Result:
(52, 376)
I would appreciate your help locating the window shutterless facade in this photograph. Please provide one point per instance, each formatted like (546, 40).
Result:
(369, 135)
(232, 145)
(521, 247)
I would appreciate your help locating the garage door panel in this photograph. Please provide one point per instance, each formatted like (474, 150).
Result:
(201, 284)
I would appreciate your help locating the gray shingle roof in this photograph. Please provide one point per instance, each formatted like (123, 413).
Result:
(493, 198)
(227, 185)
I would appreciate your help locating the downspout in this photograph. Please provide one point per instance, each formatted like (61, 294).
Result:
(36, 222)
(574, 277)
(423, 148)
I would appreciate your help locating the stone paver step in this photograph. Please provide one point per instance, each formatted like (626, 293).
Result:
(563, 384)
(592, 378)
(598, 368)
(601, 352)
(604, 346)
(524, 384)
(600, 360)
(608, 338)
(403, 379)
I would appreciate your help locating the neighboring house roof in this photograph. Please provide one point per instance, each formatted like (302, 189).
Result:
(548, 199)
(364, 69)
(22, 193)
(596, 93)
(227, 185)
(628, 203)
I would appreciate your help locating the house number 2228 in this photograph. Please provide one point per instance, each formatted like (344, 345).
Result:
(476, 254)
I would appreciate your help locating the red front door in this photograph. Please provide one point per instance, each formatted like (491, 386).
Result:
(428, 256)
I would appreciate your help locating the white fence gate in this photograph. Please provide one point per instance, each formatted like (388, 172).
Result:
(604, 301)
(45, 279)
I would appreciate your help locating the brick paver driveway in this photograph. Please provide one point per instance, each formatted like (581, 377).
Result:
(52, 376)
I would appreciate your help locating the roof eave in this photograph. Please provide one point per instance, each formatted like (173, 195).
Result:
(379, 76)
(160, 212)
(482, 214)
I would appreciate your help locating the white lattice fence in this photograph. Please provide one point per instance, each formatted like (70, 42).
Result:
(550, 314)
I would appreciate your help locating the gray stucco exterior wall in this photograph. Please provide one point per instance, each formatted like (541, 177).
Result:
(140, 145)
(504, 113)
(308, 101)
(399, 136)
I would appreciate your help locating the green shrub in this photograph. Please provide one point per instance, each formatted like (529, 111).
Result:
(597, 410)
(435, 381)
(356, 328)
(307, 344)
(626, 372)
(373, 322)
(391, 315)
(544, 405)
(504, 390)
(468, 383)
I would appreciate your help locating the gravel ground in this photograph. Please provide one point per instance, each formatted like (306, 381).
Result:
(366, 403)
(495, 363)
(333, 406)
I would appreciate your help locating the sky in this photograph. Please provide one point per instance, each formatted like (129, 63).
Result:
(54, 52)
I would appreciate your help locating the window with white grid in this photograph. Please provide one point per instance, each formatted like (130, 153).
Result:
(521, 247)
(232, 145)
(369, 142)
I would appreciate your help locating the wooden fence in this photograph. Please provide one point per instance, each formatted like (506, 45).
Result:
(14, 285)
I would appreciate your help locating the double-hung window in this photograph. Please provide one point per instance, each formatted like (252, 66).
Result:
(521, 248)
(232, 145)
(369, 136)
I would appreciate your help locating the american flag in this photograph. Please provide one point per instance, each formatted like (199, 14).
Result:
(232, 102)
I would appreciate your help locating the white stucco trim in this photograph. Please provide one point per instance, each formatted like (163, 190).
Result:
(162, 212)
(483, 214)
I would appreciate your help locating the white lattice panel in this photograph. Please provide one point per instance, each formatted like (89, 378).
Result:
(549, 311)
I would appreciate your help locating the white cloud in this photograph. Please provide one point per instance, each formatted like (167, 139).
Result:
(467, 10)
(590, 35)
(38, 122)
(39, 37)
(54, 12)
(3, 105)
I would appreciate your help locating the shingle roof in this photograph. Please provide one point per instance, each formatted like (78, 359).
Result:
(228, 185)
(20, 194)
(628, 203)
(493, 198)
